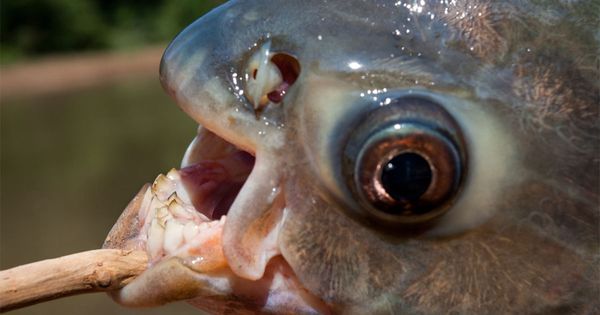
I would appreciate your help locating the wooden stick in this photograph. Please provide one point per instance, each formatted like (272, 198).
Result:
(90, 271)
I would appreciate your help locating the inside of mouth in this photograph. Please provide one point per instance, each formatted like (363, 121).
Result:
(183, 215)
(214, 184)
(213, 173)
(183, 212)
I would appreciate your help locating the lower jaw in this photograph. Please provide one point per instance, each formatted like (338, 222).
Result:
(277, 292)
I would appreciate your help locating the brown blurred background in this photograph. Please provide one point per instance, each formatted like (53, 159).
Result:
(84, 124)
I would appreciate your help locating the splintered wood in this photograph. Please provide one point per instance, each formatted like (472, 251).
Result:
(90, 271)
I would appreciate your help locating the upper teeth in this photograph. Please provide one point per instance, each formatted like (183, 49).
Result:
(172, 227)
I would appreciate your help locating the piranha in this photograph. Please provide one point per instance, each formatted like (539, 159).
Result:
(379, 157)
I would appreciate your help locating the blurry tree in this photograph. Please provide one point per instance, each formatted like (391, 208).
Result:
(42, 26)
(30, 28)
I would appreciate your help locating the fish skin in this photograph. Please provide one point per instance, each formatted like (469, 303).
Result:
(520, 77)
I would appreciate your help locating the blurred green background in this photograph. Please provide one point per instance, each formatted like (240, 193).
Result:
(72, 158)
(32, 28)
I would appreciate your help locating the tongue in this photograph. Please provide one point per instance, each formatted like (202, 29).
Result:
(214, 184)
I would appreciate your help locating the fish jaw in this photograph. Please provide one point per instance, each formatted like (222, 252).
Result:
(244, 269)
(191, 72)
(184, 241)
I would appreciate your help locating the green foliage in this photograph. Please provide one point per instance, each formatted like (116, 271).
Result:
(175, 15)
(31, 28)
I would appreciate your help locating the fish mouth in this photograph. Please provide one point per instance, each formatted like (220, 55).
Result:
(182, 217)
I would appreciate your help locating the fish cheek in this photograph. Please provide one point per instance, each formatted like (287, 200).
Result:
(333, 256)
(503, 266)
(498, 268)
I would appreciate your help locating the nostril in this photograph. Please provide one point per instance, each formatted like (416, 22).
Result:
(289, 67)
(269, 76)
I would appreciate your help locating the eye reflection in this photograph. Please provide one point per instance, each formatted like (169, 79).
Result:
(406, 177)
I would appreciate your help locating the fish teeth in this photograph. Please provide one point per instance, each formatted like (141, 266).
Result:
(163, 215)
(173, 237)
(181, 210)
(155, 240)
(177, 210)
(173, 175)
(163, 187)
(172, 224)
(149, 214)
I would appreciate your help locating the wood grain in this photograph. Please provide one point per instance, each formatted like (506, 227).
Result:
(89, 271)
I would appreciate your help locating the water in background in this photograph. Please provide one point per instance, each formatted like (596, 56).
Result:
(70, 163)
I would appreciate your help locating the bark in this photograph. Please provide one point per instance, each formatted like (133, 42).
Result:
(89, 271)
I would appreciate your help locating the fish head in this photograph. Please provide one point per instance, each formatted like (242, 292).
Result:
(380, 157)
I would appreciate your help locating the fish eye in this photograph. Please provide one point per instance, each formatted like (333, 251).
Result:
(409, 168)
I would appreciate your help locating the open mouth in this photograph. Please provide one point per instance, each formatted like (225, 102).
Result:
(183, 215)
(186, 209)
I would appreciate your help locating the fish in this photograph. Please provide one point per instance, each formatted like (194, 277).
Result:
(378, 157)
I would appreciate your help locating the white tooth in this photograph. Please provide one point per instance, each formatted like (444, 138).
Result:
(177, 210)
(173, 175)
(181, 210)
(163, 187)
(177, 186)
(155, 240)
(182, 193)
(190, 231)
(173, 236)
(150, 212)
(174, 198)
(163, 215)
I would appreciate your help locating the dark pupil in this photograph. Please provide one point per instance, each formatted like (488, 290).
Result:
(406, 177)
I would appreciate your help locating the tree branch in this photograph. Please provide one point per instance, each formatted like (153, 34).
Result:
(90, 271)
